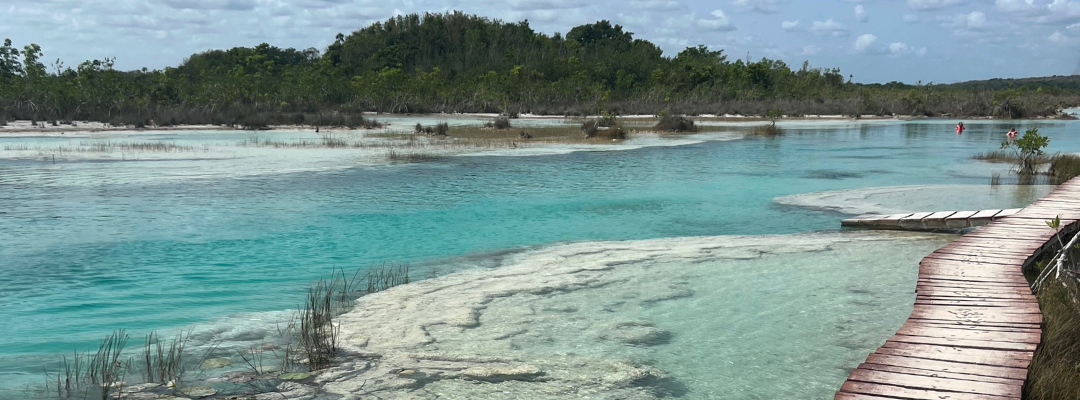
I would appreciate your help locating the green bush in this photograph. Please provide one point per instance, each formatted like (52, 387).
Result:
(589, 128)
(1028, 149)
(499, 123)
(675, 123)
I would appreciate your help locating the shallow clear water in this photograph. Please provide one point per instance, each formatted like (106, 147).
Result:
(81, 258)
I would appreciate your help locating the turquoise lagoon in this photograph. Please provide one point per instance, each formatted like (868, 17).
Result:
(227, 241)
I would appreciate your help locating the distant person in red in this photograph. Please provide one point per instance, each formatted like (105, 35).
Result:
(1012, 134)
(960, 128)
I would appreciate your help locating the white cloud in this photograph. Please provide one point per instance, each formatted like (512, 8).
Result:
(1062, 39)
(864, 41)
(899, 48)
(976, 20)
(810, 50)
(789, 25)
(1060, 11)
(1016, 6)
(758, 6)
(719, 22)
(243, 5)
(828, 27)
(656, 4)
(925, 5)
(530, 5)
(634, 20)
(860, 13)
(965, 23)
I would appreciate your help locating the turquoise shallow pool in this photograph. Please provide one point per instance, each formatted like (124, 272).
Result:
(79, 260)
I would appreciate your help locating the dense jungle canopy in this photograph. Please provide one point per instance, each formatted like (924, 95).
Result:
(455, 62)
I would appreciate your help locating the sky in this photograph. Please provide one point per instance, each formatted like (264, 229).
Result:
(937, 41)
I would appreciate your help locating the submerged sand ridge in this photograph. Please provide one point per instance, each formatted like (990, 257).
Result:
(918, 198)
(688, 317)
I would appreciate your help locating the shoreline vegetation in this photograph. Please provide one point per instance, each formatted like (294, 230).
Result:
(1028, 155)
(371, 122)
(1055, 280)
(459, 63)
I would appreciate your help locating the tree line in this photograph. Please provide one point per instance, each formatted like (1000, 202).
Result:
(455, 62)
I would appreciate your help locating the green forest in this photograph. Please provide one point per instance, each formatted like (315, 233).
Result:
(455, 62)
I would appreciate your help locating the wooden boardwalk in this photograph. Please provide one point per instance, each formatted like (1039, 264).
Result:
(928, 221)
(975, 325)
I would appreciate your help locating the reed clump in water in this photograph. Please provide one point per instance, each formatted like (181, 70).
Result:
(767, 130)
(317, 335)
(498, 123)
(410, 156)
(164, 363)
(675, 123)
(1001, 156)
(590, 127)
(615, 132)
(313, 331)
(594, 129)
(1064, 167)
(440, 129)
(109, 147)
(93, 375)
(331, 141)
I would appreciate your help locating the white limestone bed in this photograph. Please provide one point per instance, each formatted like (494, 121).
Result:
(706, 317)
(918, 198)
(96, 158)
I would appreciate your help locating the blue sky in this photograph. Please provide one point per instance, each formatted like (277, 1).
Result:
(873, 40)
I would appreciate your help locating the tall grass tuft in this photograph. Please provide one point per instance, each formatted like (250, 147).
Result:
(410, 156)
(69, 376)
(994, 156)
(163, 363)
(86, 375)
(331, 141)
(1064, 167)
(1054, 372)
(1001, 156)
(317, 334)
(105, 370)
(675, 123)
(385, 277)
